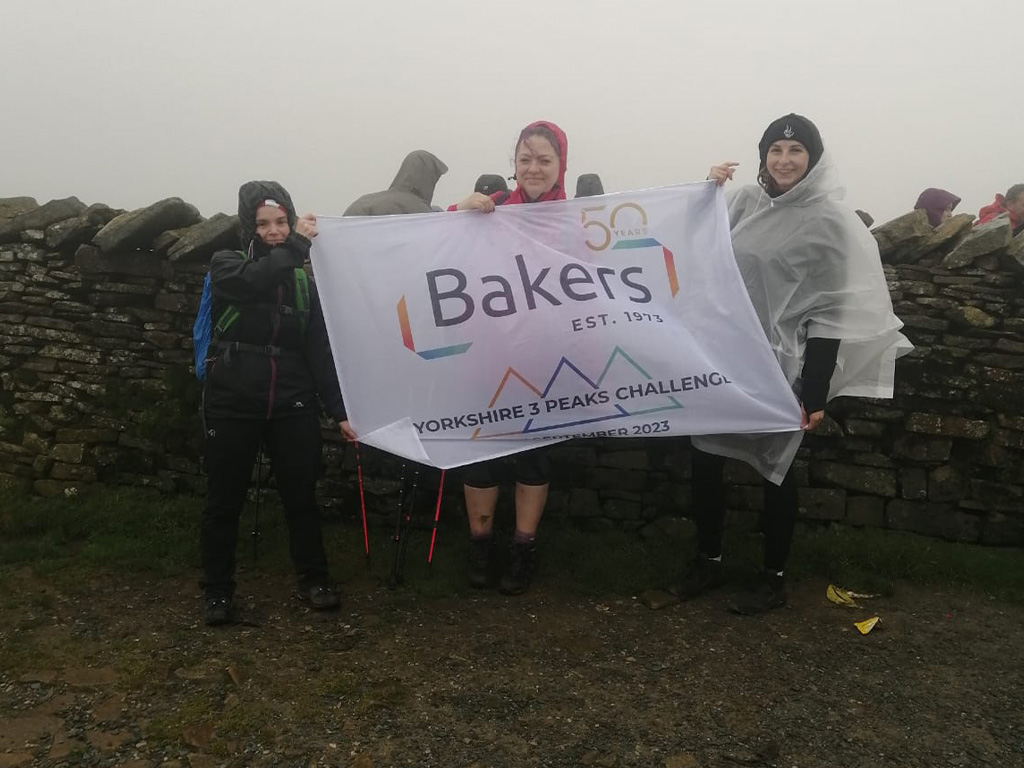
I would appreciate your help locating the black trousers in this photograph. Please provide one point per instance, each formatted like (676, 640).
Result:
(294, 447)
(780, 511)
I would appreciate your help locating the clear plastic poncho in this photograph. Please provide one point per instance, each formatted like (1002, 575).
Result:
(812, 270)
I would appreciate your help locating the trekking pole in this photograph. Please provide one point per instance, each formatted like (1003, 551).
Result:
(406, 526)
(256, 514)
(362, 503)
(397, 538)
(433, 533)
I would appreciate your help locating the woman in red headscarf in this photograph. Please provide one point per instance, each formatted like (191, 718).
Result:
(540, 161)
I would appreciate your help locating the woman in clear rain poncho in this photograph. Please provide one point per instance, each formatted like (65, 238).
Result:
(814, 276)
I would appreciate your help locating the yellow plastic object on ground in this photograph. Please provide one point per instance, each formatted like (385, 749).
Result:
(867, 625)
(840, 596)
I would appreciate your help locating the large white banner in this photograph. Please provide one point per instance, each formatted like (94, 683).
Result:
(464, 336)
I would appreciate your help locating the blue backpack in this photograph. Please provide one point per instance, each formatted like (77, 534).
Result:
(204, 332)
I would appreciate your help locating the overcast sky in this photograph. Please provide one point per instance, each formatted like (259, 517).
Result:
(126, 102)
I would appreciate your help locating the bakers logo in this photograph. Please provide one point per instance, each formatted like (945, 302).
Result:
(625, 228)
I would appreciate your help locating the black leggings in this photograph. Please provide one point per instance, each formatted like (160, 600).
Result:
(293, 445)
(780, 510)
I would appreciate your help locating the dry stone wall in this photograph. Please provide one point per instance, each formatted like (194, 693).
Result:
(96, 386)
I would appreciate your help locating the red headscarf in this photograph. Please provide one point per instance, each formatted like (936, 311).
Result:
(557, 192)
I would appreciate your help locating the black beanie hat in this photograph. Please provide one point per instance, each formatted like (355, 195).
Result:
(793, 127)
(490, 183)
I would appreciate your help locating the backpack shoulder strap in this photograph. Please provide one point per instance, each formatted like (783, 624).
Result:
(302, 298)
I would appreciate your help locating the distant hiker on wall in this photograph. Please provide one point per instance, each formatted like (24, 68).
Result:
(1012, 203)
(490, 184)
(938, 204)
(816, 282)
(267, 363)
(589, 185)
(540, 163)
(411, 192)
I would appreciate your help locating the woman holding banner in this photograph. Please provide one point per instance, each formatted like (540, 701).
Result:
(815, 278)
(540, 163)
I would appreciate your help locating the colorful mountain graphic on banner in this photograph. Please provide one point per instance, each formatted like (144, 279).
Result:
(567, 381)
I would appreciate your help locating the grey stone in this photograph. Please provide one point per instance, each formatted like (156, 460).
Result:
(40, 218)
(941, 520)
(71, 233)
(138, 228)
(176, 302)
(105, 329)
(970, 317)
(16, 206)
(624, 460)
(865, 511)
(616, 479)
(996, 360)
(90, 436)
(945, 484)
(858, 428)
(1003, 530)
(584, 502)
(822, 503)
(163, 242)
(35, 443)
(617, 509)
(53, 487)
(69, 453)
(656, 599)
(949, 426)
(73, 472)
(944, 237)
(913, 483)
(878, 482)
(923, 322)
(90, 260)
(999, 496)
(199, 242)
(985, 239)
(907, 231)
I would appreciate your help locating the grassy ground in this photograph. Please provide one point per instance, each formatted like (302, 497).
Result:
(139, 531)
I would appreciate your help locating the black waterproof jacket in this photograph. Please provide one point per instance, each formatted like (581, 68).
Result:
(264, 366)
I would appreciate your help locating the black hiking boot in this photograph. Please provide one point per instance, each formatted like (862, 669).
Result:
(319, 597)
(520, 568)
(766, 593)
(704, 574)
(218, 611)
(479, 571)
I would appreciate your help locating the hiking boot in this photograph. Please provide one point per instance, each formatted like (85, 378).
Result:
(704, 574)
(319, 597)
(766, 593)
(479, 571)
(520, 568)
(218, 611)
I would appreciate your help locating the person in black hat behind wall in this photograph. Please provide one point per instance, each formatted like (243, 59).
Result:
(490, 183)
(265, 372)
(815, 279)
(589, 185)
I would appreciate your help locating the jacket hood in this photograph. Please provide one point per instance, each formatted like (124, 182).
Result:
(994, 208)
(934, 201)
(418, 175)
(557, 192)
(251, 196)
(588, 185)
